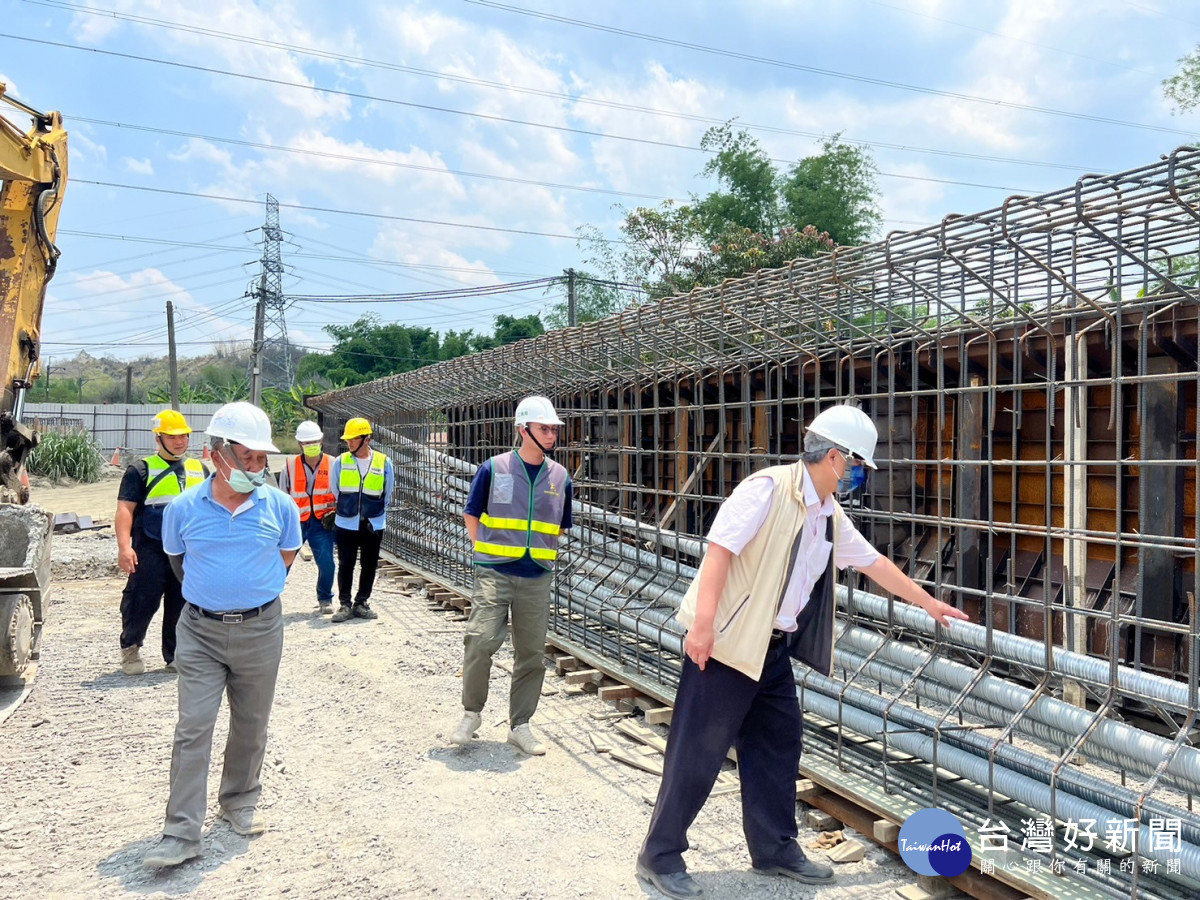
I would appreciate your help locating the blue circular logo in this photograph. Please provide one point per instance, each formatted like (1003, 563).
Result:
(933, 842)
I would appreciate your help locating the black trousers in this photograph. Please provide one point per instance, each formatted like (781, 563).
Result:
(715, 710)
(350, 546)
(151, 582)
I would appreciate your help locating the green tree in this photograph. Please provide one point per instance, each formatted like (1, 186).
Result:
(748, 196)
(1183, 88)
(510, 330)
(835, 191)
(740, 250)
(659, 242)
(369, 349)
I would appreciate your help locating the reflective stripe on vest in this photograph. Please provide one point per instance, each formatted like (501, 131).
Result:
(321, 498)
(168, 487)
(521, 516)
(361, 498)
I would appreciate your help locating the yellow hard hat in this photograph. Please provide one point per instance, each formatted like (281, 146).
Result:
(170, 421)
(356, 428)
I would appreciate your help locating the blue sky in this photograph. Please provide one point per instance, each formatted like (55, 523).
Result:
(462, 143)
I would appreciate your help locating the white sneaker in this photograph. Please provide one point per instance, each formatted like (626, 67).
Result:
(523, 739)
(131, 661)
(466, 728)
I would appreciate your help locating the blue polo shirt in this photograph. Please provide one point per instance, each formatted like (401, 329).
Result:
(231, 560)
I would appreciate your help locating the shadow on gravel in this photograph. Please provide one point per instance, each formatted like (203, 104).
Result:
(479, 756)
(220, 845)
(117, 679)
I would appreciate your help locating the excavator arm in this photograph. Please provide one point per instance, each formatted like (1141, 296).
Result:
(33, 169)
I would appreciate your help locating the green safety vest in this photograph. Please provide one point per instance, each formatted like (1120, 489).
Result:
(361, 498)
(162, 486)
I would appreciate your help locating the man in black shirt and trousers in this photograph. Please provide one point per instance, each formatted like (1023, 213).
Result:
(146, 488)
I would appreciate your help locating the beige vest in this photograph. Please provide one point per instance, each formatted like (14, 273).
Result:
(758, 576)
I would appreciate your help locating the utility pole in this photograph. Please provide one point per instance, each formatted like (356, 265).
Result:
(48, 368)
(171, 355)
(128, 384)
(572, 300)
(257, 347)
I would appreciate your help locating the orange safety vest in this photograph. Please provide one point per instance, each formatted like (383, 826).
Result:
(320, 499)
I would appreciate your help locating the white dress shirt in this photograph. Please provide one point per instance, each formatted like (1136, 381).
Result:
(742, 515)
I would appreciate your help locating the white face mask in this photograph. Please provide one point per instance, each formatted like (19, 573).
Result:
(241, 481)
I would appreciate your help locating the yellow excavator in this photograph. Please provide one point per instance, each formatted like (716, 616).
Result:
(33, 178)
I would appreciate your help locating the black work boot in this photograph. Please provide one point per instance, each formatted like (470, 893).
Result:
(362, 610)
(342, 614)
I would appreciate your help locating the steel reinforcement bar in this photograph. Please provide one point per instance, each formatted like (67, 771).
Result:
(1033, 372)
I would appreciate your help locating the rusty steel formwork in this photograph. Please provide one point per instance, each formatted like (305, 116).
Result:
(1033, 373)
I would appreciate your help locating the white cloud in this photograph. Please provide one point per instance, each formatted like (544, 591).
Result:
(138, 166)
(279, 23)
(408, 245)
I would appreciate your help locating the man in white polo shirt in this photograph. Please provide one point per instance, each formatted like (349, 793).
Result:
(231, 543)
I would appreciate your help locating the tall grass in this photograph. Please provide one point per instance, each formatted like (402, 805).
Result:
(66, 454)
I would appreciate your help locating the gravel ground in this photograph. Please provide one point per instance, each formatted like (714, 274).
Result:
(364, 795)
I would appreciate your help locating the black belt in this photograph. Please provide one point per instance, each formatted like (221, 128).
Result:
(777, 635)
(232, 616)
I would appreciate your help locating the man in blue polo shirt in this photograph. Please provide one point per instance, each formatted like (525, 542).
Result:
(231, 543)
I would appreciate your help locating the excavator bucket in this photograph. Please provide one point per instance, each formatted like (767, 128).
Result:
(24, 584)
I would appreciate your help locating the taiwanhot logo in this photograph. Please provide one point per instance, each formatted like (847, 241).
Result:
(933, 842)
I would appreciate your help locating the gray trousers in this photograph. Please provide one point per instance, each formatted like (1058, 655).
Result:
(241, 661)
(497, 597)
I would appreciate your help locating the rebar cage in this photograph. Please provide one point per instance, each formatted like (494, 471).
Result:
(1033, 373)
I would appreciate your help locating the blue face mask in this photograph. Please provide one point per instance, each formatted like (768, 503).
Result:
(855, 478)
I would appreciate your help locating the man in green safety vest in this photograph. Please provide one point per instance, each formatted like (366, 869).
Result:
(362, 479)
(518, 507)
(146, 488)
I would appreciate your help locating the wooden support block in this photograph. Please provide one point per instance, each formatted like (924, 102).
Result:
(806, 789)
(727, 783)
(614, 692)
(643, 735)
(581, 676)
(565, 663)
(821, 821)
(645, 703)
(928, 888)
(660, 715)
(600, 742)
(651, 764)
(885, 832)
(846, 852)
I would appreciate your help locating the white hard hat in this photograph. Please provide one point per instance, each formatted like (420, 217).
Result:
(243, 423)
(536, 409)
(308, 432)
(850, 428)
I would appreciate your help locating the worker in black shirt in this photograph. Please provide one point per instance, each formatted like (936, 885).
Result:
(146, 488)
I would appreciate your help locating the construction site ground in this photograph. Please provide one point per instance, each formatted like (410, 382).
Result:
(364, 795)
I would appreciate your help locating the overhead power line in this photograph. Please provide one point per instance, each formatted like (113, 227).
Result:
(317, 53)
(506, 120)
(815, 70)
(327, 209)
